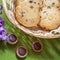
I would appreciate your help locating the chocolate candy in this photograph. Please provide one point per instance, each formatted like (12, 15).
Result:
(12, 39)
(37, 46)
(21, 52)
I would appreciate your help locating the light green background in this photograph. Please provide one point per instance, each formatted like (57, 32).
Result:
(51, 47)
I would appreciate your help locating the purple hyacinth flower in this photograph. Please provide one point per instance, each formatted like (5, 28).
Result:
(3, 34)
(1, 22)
(1, 7)
(3, 38)
(1, 28)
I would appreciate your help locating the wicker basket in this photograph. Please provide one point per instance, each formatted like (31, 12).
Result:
(9, 7)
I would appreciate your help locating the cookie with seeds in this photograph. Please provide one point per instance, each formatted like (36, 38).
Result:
(50, 18)
(27, 14)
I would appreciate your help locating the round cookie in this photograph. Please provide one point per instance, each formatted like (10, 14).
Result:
(27, 14)
(50, 18)
(52, 3)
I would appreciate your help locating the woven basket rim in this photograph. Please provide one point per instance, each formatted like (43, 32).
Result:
(39, 33)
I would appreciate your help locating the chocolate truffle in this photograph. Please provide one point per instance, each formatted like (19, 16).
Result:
(21, 52)
(12, 39)
(37, 46)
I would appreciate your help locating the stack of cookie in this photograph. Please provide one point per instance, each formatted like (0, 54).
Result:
(31, 13)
